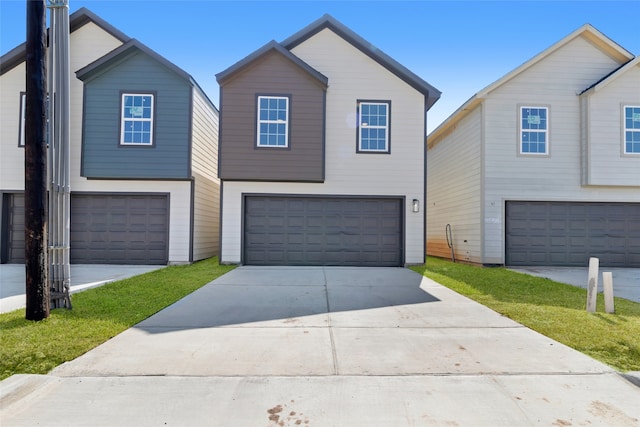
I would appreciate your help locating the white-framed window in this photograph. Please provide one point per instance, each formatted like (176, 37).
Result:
(136, 119)
(373, 126)
(23, 118)
(273, 121)
(534, 130)
(631, 129)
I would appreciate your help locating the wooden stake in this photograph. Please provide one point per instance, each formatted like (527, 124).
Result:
(592, 287)
(607, 284)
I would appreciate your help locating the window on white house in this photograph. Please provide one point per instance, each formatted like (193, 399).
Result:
(23, 118)
(631, 129)
(534, 130)
(373, 126)
(136, 126)
(273, 121)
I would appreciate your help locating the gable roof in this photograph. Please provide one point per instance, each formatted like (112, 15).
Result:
(612, 76)
(329, 22)
(587, 31)
(272, 46)
(77, 19)
(133, 45)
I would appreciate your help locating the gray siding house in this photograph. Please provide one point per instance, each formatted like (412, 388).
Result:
(322, 156)
(143, 153)
(542, 167)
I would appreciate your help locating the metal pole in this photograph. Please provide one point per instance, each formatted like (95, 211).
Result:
(59, 153)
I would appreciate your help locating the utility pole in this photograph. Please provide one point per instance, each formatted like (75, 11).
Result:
(35, 154)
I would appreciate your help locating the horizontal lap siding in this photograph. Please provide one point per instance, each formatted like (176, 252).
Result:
(303, 160)
(606, 165)
(206, 203)
(553, 82)
(453, 190)
(103, 156)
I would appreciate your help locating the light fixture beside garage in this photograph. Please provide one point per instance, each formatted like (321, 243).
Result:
(415, 205)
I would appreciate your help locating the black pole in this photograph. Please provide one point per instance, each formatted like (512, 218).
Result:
(35, 160)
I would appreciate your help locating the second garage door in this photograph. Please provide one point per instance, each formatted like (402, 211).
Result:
(568, 233)
(290, 230)
(119, 229)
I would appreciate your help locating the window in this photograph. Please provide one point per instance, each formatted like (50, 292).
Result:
(632, 129)
(534, 130)
(23, 116)
(273, 121)
(137, 119)
(373, 126)
(23, 120)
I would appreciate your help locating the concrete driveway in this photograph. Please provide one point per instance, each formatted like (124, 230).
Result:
(325, 346)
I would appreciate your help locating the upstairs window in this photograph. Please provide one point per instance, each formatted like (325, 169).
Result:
(373, 126)
(631, 129)
(136, 126)
(23, 118)
(534, 130)
(273, 121)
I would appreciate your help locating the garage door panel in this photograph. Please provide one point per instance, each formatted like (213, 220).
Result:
(119, 229)
(568, 233)
(323, 230)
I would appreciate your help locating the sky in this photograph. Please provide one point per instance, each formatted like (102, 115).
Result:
(459, 47)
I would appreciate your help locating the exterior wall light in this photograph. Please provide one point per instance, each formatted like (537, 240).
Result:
(415, 205)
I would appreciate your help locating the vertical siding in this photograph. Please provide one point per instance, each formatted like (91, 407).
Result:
(454, 192)
(204, 166)
(352, 76)
(555, 82)
(607, 165)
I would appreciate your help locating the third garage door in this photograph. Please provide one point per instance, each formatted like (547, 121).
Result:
(568, 233)
(290, 230)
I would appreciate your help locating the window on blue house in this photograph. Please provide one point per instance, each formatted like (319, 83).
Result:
(534, 130)
(631, 129)
(373, 126)
(273, 121)
(137, 115)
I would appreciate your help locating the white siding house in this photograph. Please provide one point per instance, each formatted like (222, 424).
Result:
(118, 214)
(353, 73)
(532, 170)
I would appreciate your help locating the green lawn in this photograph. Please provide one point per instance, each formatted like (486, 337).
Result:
(98, 314)
(554, 309)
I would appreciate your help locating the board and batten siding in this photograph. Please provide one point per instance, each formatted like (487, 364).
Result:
(553, 82)
(454, 175)
(606, 162)
(352, 75)
(103, 156)
(272, 74)
(204, 167)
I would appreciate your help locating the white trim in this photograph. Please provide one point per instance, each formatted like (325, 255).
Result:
(625, 130)
(277, 121)
(124, 119)
(362, 126)
(23, 119)
(544, 131)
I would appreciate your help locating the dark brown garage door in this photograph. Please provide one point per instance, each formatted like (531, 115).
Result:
(287, 230)
(568, 233)
(13, 228)
(119, 229)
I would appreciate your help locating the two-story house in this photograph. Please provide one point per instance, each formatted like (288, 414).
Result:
(542, 167)
(143, 142)
(322, 156)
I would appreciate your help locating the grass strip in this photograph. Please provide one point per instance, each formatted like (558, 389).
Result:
(554, 309)
(28, 347)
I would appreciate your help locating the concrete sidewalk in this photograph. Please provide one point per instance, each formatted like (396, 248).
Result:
(325, 346)
(83, 276)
